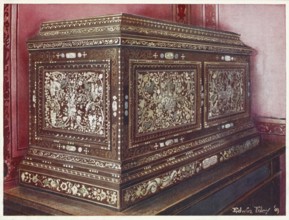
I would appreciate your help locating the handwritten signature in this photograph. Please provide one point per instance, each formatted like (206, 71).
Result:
(255, 210)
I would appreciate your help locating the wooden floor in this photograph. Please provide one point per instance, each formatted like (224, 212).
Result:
(260, 166)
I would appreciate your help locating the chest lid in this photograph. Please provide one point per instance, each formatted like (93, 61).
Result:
(121, 29)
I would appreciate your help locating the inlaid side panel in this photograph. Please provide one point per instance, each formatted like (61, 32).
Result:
(165, 97)
(226, 92)
(72, 101)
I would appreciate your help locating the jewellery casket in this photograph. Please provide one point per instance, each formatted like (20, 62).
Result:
(123, 107)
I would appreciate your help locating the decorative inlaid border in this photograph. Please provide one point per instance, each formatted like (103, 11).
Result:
(74, 43)
(84, 191)
(137, 42)
(185, 46)
(174, 148)
(162, 163)
(42, 158)
(70, 170)
(179, 35)
(73, 158)
(168, 26)
(140, 30)
(136, 21)
(154, 185)
(80, 31)
(37, 130)
(135, 24)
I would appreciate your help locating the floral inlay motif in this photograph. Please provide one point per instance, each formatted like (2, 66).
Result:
(73, 158)
(74, 100)
(99, 195)
(239, 149)
(226, 90)
(165, 99)
(152, 186)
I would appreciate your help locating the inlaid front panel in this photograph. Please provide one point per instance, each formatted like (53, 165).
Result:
(161, 94)
(166, 97)
(71, 101)
(226, 92)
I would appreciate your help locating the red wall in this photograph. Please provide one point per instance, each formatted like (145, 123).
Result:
(263, 28)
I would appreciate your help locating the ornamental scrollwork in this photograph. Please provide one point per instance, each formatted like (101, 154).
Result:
(147, 188)
(79, 23)
(226, 89)
(181, 45)
(150, 148)
(73, 43)
(155, 185)
(239, 149)
(80, 31)
(188, 155)
(178, 35)
(137, 24)
(88, 192)
(74, 159)
(165, 99)
(74, 100)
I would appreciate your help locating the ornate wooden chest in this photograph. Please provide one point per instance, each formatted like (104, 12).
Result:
(123, 107)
